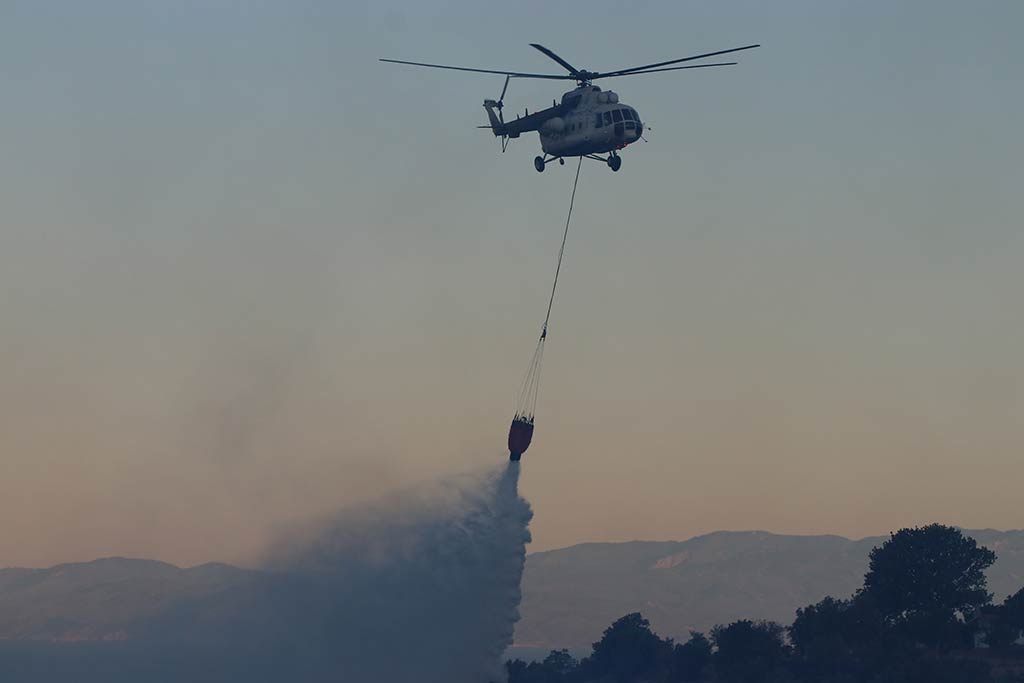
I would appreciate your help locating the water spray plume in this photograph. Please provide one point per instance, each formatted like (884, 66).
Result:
(425, 589)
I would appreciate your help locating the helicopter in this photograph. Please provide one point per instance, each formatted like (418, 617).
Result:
(588, 121)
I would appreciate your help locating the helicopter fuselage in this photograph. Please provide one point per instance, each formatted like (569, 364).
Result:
(587, 121)
(597, 123)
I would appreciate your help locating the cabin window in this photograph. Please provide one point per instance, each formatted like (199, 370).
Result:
(617, 115)
(607, 118)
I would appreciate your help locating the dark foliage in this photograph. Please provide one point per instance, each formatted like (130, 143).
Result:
(559, 665)
(628, 651)
(748, 651)
(913, 621)
(830, 638)
(924, 579)
(691, 659)
(1008, 623)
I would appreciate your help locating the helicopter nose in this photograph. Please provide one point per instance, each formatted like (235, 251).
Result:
(634, 131)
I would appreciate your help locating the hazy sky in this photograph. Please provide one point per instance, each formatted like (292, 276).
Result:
(250, 274)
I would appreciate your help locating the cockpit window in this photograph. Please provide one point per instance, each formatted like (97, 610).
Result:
(597, 120)
(628, 114)
(607, 118)
(617, 115)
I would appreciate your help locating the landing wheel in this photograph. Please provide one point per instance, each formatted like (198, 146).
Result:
(538, 163)
(615, 162)
(561, 161)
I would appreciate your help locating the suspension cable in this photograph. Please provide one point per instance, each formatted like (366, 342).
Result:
(530, 388)
(561, 250)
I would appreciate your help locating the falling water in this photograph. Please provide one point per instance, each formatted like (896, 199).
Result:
(424, 587)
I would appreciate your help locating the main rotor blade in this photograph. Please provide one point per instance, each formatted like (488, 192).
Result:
(573, 70)
(516, 74)
(671, 68)
(622, 72)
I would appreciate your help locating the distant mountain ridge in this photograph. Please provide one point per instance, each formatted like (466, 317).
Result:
(570, 595)
(112, 598)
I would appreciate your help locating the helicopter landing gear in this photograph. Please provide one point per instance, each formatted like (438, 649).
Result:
(540, 162)
(613, 160)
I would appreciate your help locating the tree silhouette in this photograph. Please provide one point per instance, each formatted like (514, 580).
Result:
(628, 651)
(1012, 612)
(924, 580)
(822, 638)
(839, 640)
(691, 659)
(559, 663)
(921, 587)
(1009, 622)
(558, 666)
(748, 651)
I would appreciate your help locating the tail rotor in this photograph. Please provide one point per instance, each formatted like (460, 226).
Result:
(498, 120)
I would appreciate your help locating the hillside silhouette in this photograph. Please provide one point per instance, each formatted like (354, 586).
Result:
(571, 594)
(922, 614)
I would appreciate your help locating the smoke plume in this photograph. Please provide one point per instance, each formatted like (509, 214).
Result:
(423, 588)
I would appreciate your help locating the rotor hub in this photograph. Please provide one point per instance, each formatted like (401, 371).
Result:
(583, 77)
